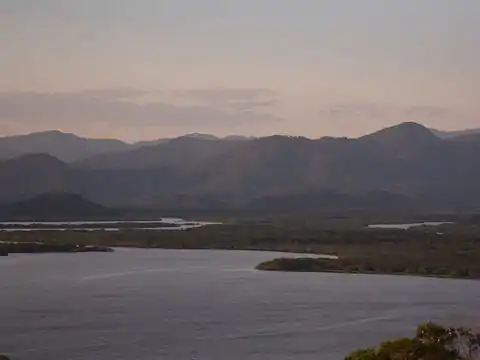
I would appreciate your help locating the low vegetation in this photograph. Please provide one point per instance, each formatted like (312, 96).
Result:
(448, 250)
(431, 342)
(39, 247)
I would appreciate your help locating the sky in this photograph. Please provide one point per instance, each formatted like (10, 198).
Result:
(146, 69)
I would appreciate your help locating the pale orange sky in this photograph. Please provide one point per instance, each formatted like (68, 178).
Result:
(143, 69)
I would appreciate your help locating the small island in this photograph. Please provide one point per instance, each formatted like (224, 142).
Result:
(381, 265)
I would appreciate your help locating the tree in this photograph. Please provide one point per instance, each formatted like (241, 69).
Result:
(431, 342)
(363, 354)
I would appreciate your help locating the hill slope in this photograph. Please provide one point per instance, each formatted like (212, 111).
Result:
(54, 206)
(183, 152)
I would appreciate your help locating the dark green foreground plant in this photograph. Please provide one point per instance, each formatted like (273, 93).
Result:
(431, 342)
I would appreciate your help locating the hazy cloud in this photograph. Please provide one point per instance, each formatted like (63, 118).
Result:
(428, 112)
(114, 106)
(246, 105)
(357, 111)
(109, 94)
(354, 110)
(235, 98)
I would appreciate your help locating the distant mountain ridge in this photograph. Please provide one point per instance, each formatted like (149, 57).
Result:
(453, 134)
(401, 167)
(64, 146)
(70, 148)
(182, 152)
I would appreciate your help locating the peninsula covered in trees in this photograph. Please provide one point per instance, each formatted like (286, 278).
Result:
(375, 265)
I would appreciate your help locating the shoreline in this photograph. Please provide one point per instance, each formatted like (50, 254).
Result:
(7, 248)
(362, 267)
(346, 272)
(39, 248)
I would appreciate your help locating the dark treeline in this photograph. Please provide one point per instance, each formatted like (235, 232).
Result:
(39, 247)
(379, 264)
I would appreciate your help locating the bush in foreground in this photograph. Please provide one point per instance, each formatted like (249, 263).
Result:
(431, 342)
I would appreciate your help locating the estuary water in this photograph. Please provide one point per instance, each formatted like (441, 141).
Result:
(208, 305)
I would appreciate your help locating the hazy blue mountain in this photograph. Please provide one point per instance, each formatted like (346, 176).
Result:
(66, 147)
(453, 134)
(54, 206)
(71, 148)
(183, 153)
(405, 166)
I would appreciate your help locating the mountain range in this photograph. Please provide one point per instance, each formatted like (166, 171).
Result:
(70, 148)
(407, 166)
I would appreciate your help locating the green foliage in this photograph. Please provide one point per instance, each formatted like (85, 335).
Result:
(431, 342)
(3, 357)
(431, 333)
(363, 354)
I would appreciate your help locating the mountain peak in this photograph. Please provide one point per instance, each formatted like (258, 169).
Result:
(200, 136)
(410, 126)
(410, 132)
(51, 132)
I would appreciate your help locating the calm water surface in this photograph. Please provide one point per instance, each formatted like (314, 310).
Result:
(207, 305)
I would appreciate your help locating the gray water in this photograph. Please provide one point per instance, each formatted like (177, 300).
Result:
(208, 305)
